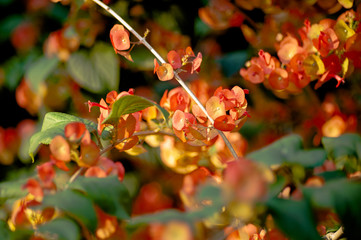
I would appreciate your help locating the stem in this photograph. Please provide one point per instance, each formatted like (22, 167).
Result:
(142, 133)
(337, 234)
(74, 176)
(161, 60)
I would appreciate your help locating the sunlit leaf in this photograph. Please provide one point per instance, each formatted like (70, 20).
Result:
(108, 193)
(57, 228)
(343, 31)
(54, 124)
(130, 104)
(346, 3)
(313, 65)
(74, 204)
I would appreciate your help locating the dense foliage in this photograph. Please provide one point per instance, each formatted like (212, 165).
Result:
(216, 120)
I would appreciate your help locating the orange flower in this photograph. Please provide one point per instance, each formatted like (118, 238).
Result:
(164, 72)
(60, 148)
(119, 37)
(278, 79)
(176, 99)
(253, 74)
(174, 59)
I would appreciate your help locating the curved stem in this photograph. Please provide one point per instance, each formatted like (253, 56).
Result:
(161, 60)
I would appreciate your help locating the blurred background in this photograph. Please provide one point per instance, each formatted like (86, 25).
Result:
(50, 48)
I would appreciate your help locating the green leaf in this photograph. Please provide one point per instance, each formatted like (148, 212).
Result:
(84, 73)
(345, 151)
(4, 230)
(74, 204)
(289, 150)
(15, 69)
(59, 12)
(108, 193)
(56, 118)
(61, 229)
(332, 175)
(106, 65)
(278, 152)
(21, 234)
(11, 190)
(277, 186)
(53, 125)
(40, 70)
(96, 71)
(161, 217)
(130, 104)
(294, 218)
(200, 28)
(143, 59)
(345, 145)
(13, 72)
(309, 158)
(8, 24)
(343, 196)
(232, 62)
(348, 208)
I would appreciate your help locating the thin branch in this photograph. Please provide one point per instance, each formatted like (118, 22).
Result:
(161, 60)
(74, 176)
(337, 234)
(142, 133)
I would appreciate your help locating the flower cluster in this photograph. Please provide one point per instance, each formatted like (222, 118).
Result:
(178, 61)
(221, 14)
(226, 107)
(127, 125)
(324, 51)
